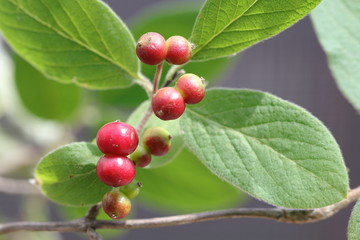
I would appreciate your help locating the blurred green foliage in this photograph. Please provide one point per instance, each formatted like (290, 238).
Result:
(42, 97)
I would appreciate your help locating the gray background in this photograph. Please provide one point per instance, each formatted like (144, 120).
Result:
(292, 66)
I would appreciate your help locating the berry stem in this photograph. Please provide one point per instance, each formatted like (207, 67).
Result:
(144, 119)
(172, 72)
(157, 77)
(174, 77)
(145, 83)
(155, 87)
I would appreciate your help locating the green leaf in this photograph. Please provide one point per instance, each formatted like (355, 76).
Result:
(71, 41)
(68, 175)
(44, 98)
(172, 126)
(128, 98)
(185, 185)
(354, 224)
(223, 28)
(268, 147)
(337, 26)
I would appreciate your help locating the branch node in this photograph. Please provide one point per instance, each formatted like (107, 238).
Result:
(93, 212)
(92, 234)
(296, 216)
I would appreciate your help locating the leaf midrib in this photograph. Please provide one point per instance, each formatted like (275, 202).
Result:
(196, 50)
(248, 136)
(74, 40)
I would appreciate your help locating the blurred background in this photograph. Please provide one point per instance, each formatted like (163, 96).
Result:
(35, 118)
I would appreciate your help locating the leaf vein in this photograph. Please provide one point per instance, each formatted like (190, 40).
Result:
(73, 40)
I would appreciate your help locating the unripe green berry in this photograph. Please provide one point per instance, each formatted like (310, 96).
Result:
(131, 190)
(157, 140)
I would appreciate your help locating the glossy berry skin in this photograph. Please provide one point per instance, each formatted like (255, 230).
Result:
(178, 50)
(151, 48)
(115, 171)
(157, 140)
(168, 104)
(191, 88)
(117, 138)
(131, 190)
(116, 204)
(141, 157)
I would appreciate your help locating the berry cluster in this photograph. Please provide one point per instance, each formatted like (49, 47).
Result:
(118, 140)
(152, 49)
(168, 103)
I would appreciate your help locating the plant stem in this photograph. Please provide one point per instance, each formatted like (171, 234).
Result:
(277, 214)
(144, 119)
(155, 87)
(92, 234)
(157, 77)
(91, 215)
(93, 211)
(145, 83)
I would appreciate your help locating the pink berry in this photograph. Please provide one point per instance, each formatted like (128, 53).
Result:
(178, 50)
(151, 48)
(191, 88)
(115, 171)
(117, 138)
(168, 104)
(157, 140)
(116, 204)
(141, 157)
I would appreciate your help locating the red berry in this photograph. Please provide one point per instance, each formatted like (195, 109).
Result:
(168, 104)
(191, 88)
(116, 204)
(115, 170)
(151, 48)
(178, 50)
(117, 138)
(157, 140)
(141, 157)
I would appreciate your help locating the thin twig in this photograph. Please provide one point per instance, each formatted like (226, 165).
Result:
(92, 234)
(90, 216)
(93, 211)
(277, 214)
